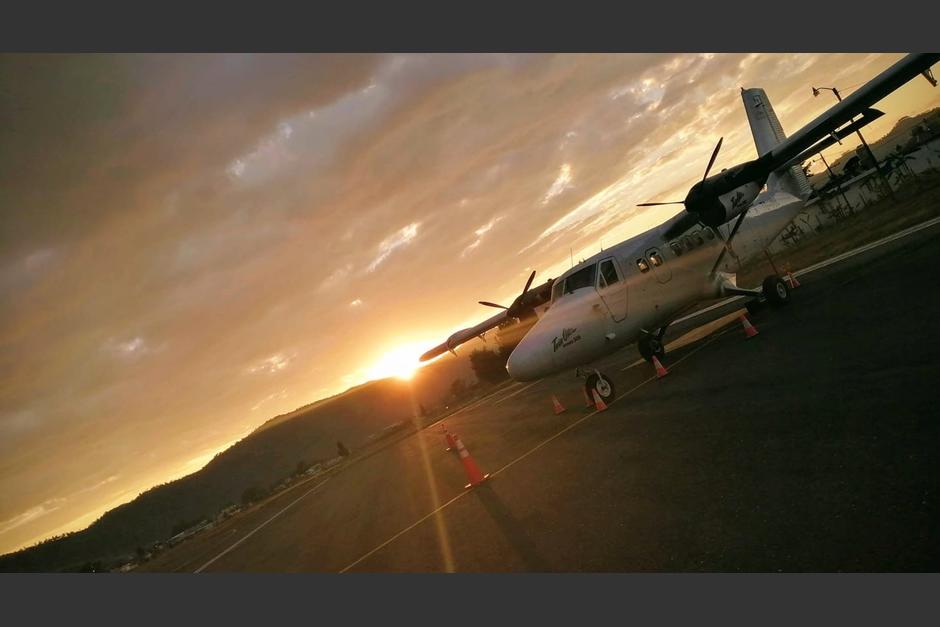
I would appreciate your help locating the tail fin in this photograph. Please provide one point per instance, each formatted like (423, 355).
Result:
(767, 132)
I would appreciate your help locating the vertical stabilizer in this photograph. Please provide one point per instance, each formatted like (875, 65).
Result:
(767, 133)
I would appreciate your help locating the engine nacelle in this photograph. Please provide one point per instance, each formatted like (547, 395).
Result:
(717, 210)
(724, 196)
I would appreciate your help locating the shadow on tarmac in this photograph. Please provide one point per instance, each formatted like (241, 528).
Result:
(511, 529)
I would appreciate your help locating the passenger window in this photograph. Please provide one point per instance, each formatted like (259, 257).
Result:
(582, 278)
(642, 265)
(656, 260)
(608, 273)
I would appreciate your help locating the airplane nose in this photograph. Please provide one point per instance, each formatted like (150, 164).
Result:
(530, 360)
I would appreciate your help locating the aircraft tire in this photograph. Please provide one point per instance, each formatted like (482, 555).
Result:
(648, 345)
(604, 386)
(776, 291)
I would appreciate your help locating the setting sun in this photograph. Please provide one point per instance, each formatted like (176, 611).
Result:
(401, 362)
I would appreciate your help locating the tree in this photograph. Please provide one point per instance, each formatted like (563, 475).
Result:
(489, 366)
(341, 449)
(301, 468)
(458, 388)
(252, 494)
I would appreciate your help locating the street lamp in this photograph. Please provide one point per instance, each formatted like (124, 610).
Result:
(816, 91)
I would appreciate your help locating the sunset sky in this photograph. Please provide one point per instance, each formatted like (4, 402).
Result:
(192, 244)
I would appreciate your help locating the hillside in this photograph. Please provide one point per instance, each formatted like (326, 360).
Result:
(260, 460)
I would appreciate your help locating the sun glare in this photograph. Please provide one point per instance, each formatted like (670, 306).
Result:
(401, 362)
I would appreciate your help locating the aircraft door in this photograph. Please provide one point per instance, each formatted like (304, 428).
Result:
(660, 268)
(612, 288)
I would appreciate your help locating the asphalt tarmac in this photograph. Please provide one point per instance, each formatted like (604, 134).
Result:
(811, 447)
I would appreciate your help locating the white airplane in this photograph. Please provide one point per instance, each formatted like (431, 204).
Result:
(632, 291)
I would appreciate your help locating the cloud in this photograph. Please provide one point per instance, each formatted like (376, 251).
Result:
(271, 365)
(335, 277)
(392, 243)
(132, 347)
(30, 515)
(560, 184)
(280, 395)
(480, 232)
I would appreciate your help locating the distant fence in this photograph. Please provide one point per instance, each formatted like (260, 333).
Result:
(858, 194)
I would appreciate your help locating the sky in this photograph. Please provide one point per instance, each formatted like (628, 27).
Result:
(192, 244)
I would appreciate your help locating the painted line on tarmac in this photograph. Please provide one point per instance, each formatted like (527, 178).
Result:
(695, 334)
(712, 338)
(633, 365)
(855, 251)
(822, 264)
(506, 398)
(259, 527)
(509, 390)
(468, 407)
(595, 412)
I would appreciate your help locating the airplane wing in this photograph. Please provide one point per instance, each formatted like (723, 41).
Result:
(524, 306)
(465, 335)
(826, 127)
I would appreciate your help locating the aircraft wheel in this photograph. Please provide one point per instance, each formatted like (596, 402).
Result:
(604, 386)
(650, 345)
(776, 291)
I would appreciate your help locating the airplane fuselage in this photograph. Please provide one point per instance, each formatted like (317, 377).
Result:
(638, 286)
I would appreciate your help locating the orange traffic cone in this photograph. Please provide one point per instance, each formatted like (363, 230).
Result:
(474, 475)
(598, 401)
(448, 439)
(749, 329)
(660, 368)
(791, 281)
(559, 408)
(588, 403)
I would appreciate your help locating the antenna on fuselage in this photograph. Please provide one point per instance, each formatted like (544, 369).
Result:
(571, 252)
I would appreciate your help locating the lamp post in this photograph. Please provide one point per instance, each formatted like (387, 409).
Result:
(861, 138)
(832, 177)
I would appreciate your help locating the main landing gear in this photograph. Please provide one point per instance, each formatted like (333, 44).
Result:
(774, 291)
(597, 381)
(651, 345)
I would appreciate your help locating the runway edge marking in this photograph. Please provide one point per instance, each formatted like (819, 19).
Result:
(259, 527)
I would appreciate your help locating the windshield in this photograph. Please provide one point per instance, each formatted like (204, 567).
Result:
(582, 278)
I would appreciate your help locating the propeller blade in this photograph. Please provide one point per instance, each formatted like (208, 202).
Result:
(657, 204)
(728, 241)
(528, 283)
(711, 161)
(483, 302)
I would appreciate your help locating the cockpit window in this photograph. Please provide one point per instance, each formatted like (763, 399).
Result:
(642, 265)
(556, 290)
(582, 278)
(608, 273)
(676, 248)
(655, 259)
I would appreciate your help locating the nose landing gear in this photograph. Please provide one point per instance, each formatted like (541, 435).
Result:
(600, 383)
